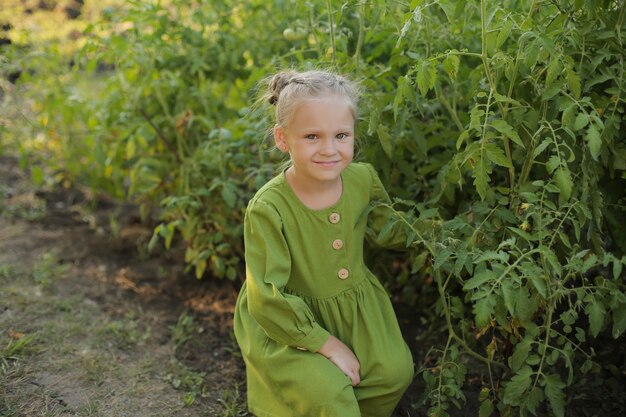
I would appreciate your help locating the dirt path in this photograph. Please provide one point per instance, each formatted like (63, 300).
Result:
(93, 326)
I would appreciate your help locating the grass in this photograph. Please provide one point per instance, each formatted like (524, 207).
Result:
(182, 332)
(232, 406)
(47, 269)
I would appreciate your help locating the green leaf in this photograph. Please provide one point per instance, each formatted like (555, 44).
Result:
(619, 320)
(491, 255)
(535, 397)
(564, 181)
(594, 141)
(517, 386)
(441, 258)
(518, 357)
(552, 259)
(573, 83)
(508, 131)
(400, 95)
(483, 310)
(486, 408)
(384, 232)
(525, 305)
(539, 282)
(553, 90)
(462, 138)
(509, 294)
(200, 268)
(506, 99)
(461, 258)
(554, 70)
(482, 169)
(582, 120)
(426, 76)
(595, 310)
(552, 164)
(555, 394)
(419, 262)
(504, 32)
(36, 175)
(229, 195)
(385, 139)
(451, 65)
(479, 279)
(617, 268)
(374, 120)
(476, 115)
(567, 118)
(497, 156)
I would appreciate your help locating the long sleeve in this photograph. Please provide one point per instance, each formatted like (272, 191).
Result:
(379, 216)
(285, 318)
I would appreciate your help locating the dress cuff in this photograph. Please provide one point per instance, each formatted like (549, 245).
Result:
(314, 340)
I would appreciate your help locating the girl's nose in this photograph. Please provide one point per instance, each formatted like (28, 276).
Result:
(328, 147)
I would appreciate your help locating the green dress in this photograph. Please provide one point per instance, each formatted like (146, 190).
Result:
(306, 279)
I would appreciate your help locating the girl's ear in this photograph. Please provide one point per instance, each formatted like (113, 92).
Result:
(280, 140)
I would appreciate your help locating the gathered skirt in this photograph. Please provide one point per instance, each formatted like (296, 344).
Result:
(283, 381)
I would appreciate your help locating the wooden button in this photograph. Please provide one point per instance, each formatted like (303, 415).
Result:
(334, 218)
(337, 244)
(343, 273)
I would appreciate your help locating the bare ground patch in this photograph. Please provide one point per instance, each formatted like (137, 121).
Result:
(91, 325)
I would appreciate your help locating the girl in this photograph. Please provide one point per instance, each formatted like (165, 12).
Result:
(316, 328)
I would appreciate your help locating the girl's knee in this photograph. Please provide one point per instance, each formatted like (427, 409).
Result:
(397, 372)
(328, 399)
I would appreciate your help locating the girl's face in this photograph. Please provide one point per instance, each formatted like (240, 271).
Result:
(319, 139)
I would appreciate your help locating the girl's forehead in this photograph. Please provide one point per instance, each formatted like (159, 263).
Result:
(329, 110)
(324, 104)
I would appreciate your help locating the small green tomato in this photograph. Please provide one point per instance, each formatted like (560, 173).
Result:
(293, 35)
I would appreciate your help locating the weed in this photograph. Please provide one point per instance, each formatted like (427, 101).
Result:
(231, 402)
(47, 268)
(232, 347)
(21, 205)
(6, 271)
(126, 333)
(187, 380)
(18, 346)
(182, 332)
(95, 368)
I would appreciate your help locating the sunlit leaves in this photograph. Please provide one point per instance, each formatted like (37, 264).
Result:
(426, 75)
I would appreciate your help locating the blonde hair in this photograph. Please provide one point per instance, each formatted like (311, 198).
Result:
(288, 88)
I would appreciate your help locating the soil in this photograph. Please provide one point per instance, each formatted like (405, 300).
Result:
(112, 329)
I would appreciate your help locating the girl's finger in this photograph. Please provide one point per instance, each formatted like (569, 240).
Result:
(356, 379)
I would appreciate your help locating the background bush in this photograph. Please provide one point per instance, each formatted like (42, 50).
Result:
(498, 125)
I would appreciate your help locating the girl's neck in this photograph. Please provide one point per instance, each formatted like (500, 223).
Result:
(314, 194)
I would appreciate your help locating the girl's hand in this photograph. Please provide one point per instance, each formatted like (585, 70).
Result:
(341, 355)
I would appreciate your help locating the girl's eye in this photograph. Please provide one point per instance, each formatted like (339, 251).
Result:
(342, 136)
(311, 137)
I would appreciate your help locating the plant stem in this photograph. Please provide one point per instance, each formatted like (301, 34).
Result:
(452, 333)
(545, 345)
(332, 30)
(359, 42)
(446, 104)
(493, 88)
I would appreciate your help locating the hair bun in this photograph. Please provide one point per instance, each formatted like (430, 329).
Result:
(278, 83)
